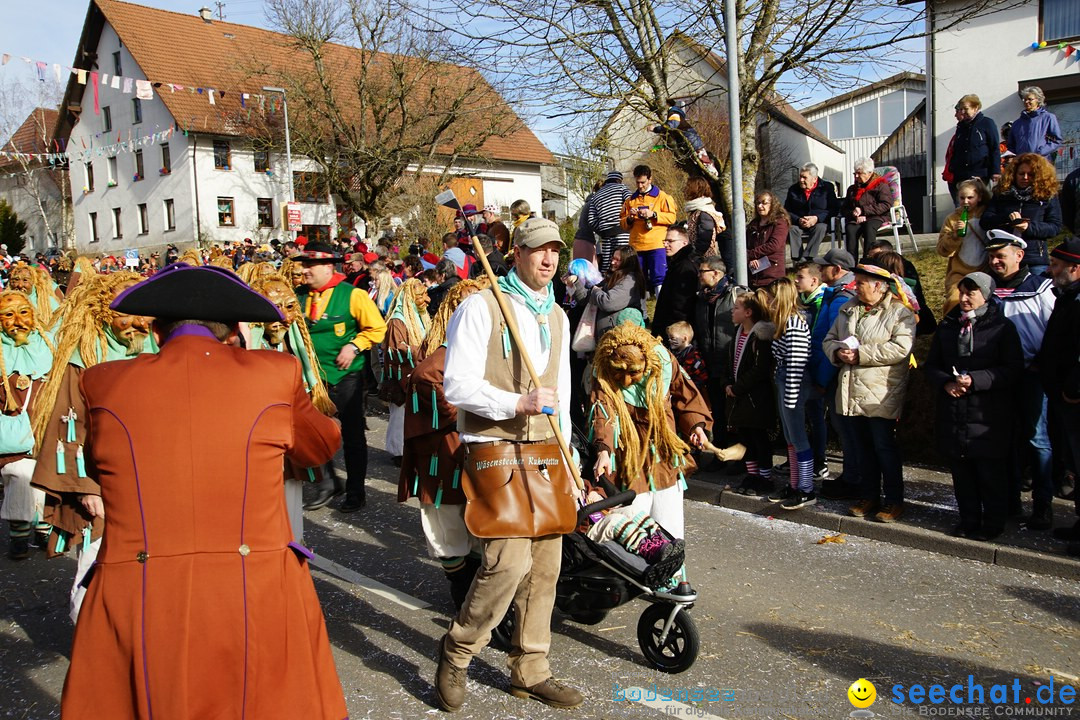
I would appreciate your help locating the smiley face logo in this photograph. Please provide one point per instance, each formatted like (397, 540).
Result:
(862, 693)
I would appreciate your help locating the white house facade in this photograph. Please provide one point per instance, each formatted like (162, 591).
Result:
(991, 55)
(142, 177)
(859, 121)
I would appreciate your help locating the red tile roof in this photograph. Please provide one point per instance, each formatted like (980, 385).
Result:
(182, 49)
(33, 136)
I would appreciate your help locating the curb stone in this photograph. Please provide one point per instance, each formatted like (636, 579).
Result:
(898, 533)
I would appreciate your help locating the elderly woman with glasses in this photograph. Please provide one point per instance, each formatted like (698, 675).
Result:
(866, 207)
(1026, 204)
(1037, 129)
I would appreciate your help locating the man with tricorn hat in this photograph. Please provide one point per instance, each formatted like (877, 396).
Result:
(344, 323)
(24, 364)
(291, 336)
(90, 333)
(200, 605)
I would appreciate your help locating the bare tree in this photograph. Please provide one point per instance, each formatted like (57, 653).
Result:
(27, 119)
(372, 99)
(599, 55)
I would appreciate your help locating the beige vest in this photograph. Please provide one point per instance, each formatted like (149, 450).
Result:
(508, 373)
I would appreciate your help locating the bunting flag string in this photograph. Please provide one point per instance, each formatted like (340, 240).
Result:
(142, 89)
(1063, 47)
(61, 155)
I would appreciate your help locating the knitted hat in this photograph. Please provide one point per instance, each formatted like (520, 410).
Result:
(1068, 251)
(614, 175)
(984, 282)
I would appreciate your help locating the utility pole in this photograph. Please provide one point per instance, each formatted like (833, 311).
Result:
(738, 211)
(220, 10)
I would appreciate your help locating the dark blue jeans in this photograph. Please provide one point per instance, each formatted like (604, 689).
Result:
(654, 266)
(350, 397)
(879, 460)
(1032, 442)
(819, 431)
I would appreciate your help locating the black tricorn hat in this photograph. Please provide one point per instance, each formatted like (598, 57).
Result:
(318, 252)
(184, 292)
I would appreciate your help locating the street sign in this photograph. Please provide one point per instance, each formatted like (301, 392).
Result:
(131, 258)
(293, 222)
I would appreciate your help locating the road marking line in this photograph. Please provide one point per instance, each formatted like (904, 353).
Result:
(384, 591)
(669, 707)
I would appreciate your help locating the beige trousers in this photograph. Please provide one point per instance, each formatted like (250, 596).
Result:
(523, 571)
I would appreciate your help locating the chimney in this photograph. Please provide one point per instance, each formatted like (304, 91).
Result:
(206, 14)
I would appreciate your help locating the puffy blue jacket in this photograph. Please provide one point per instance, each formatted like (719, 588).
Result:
(1036, 132)
(821, 371)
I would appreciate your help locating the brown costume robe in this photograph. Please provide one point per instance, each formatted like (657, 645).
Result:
(199, 606)
(686, 410)
(400, 359)
(62, 508)
(426, 437)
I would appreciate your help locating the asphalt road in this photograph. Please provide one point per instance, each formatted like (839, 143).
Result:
(786, 625)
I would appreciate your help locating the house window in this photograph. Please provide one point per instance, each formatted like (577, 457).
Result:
(266, 212)
(93, 228)
(222, 157)
(144, 220)
(170, 215)
(112, 171)
(117, 229)
(840, 127)
(139, 171)
(89, 177)
(117, 69)
(262, 160)
(893, 110)
(1060, 20)
(166, 160)
(866, 118)
(136, 111)
(311, 187)
(225, 215)
(106, 117)
(822, 124)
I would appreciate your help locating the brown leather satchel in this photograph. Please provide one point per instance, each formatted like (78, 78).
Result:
(517, 490)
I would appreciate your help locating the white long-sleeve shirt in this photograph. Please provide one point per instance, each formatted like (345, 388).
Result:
(467, 338)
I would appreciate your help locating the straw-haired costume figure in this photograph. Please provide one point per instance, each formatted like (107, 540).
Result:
(91, 333)
(406, 325)
(24, 365)
(643, 405)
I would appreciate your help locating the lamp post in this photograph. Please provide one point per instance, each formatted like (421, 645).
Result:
(288, 147)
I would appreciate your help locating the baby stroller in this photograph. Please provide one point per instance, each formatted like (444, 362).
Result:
(598, 577)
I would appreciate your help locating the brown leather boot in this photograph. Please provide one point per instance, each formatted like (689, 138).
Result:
(449, 682)
(550, 692)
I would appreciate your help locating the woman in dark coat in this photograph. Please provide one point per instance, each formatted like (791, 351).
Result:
(975, 360)
(866, 207)
(705, 224)
(751, 403)
(1026, 204)
(766, 239)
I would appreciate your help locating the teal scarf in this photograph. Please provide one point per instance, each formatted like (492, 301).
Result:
(34, 359)
(296, 343)
(635, 394)
(114, 349)
(512, 284)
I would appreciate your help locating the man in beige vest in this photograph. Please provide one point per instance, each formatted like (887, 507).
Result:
(497, 404)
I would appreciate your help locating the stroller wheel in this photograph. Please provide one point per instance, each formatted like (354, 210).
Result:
(679, 649)
(589, 617)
